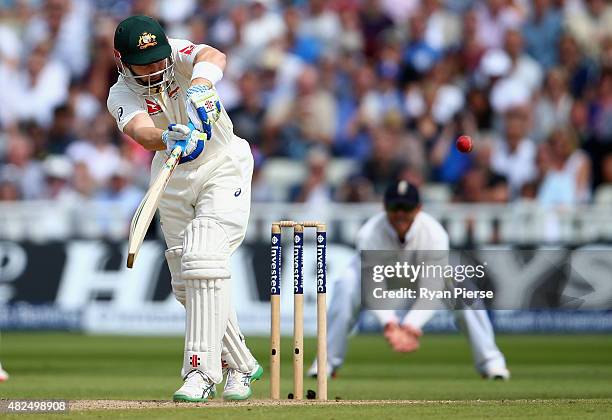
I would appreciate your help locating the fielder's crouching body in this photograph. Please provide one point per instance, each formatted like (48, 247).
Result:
(403, 226)
(165, 98)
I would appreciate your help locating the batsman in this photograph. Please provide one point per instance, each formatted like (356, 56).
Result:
(165, 96)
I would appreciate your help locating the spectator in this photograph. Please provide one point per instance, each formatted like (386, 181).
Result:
(9, 187)
(351, 36)
(495, 17)
(356, 116)
(384, 164)
(322, 25)
(25, 172)
(35, 92)
(248, 116)
(514, 155)
(120, 192)
(554, 105)
(58, 172)
(374, 22)
(556, 188)
(591, 24)
(65, 25)
(472, 48)
(61, 133)
(524, 68)
(305, 120)
(308, 46)
(356, 189)
(480, 185)
(443, 29)
(571, 161)
(261, 190)
(606, 169)
(264, 26)
(83, 183)
(97, 152)
(103, 72)
(419, 56)
(437, 96)
(541, 31)
(601, 109)
(227, 30)
(314, 191)
(606, 53)
(581, 70)
(449, 164)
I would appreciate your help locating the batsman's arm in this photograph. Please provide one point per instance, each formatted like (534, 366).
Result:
(142, 129)
(208, 67)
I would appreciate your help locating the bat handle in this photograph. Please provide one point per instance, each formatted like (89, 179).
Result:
(179, 147)
(183, 143)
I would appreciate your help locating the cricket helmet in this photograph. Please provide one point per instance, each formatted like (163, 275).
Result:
(140, 40)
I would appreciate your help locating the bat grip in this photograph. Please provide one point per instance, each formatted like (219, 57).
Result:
(181, 143)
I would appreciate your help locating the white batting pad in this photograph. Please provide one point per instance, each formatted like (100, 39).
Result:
(205, 270)
(173, 257)
(206, 251)
(235, 352)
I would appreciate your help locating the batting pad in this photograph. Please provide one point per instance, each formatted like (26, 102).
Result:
(173, 257)
(205, 270)
(235, 351)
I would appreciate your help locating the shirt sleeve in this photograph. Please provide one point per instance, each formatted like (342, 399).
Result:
(124, 105)
(184, 53)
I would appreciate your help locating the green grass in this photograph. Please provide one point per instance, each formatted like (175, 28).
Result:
(569, 369)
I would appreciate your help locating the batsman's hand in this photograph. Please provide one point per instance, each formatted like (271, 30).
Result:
(203, 108)
(183, 136)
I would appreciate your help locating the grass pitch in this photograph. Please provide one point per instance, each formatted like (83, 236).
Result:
(552, 376)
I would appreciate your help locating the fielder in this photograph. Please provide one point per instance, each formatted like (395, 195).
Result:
(403, 226)
(165, 93)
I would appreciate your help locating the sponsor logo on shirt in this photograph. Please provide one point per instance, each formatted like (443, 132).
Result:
(174, 92)
(152, 107)
(188, 49)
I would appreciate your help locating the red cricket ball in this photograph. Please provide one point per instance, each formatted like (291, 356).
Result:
(464, 144)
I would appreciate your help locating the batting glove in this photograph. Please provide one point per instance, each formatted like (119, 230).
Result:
(203, 108)
(183, 136)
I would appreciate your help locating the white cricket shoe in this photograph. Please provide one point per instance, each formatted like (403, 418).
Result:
(238, 384)
(197, 388)
(497, 374)
(312, 372)
(3, 375)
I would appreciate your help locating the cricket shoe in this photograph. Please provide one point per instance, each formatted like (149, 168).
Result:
(501, 374)
(238, 384)
(197, 388)
(3, 375)
(331, 371)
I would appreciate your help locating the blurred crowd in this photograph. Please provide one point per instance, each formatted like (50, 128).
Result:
(387, 84)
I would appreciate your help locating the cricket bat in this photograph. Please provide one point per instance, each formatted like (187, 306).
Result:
(148, 206)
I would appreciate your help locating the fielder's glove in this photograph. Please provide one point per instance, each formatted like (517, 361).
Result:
(182, 135)
(203, 108)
